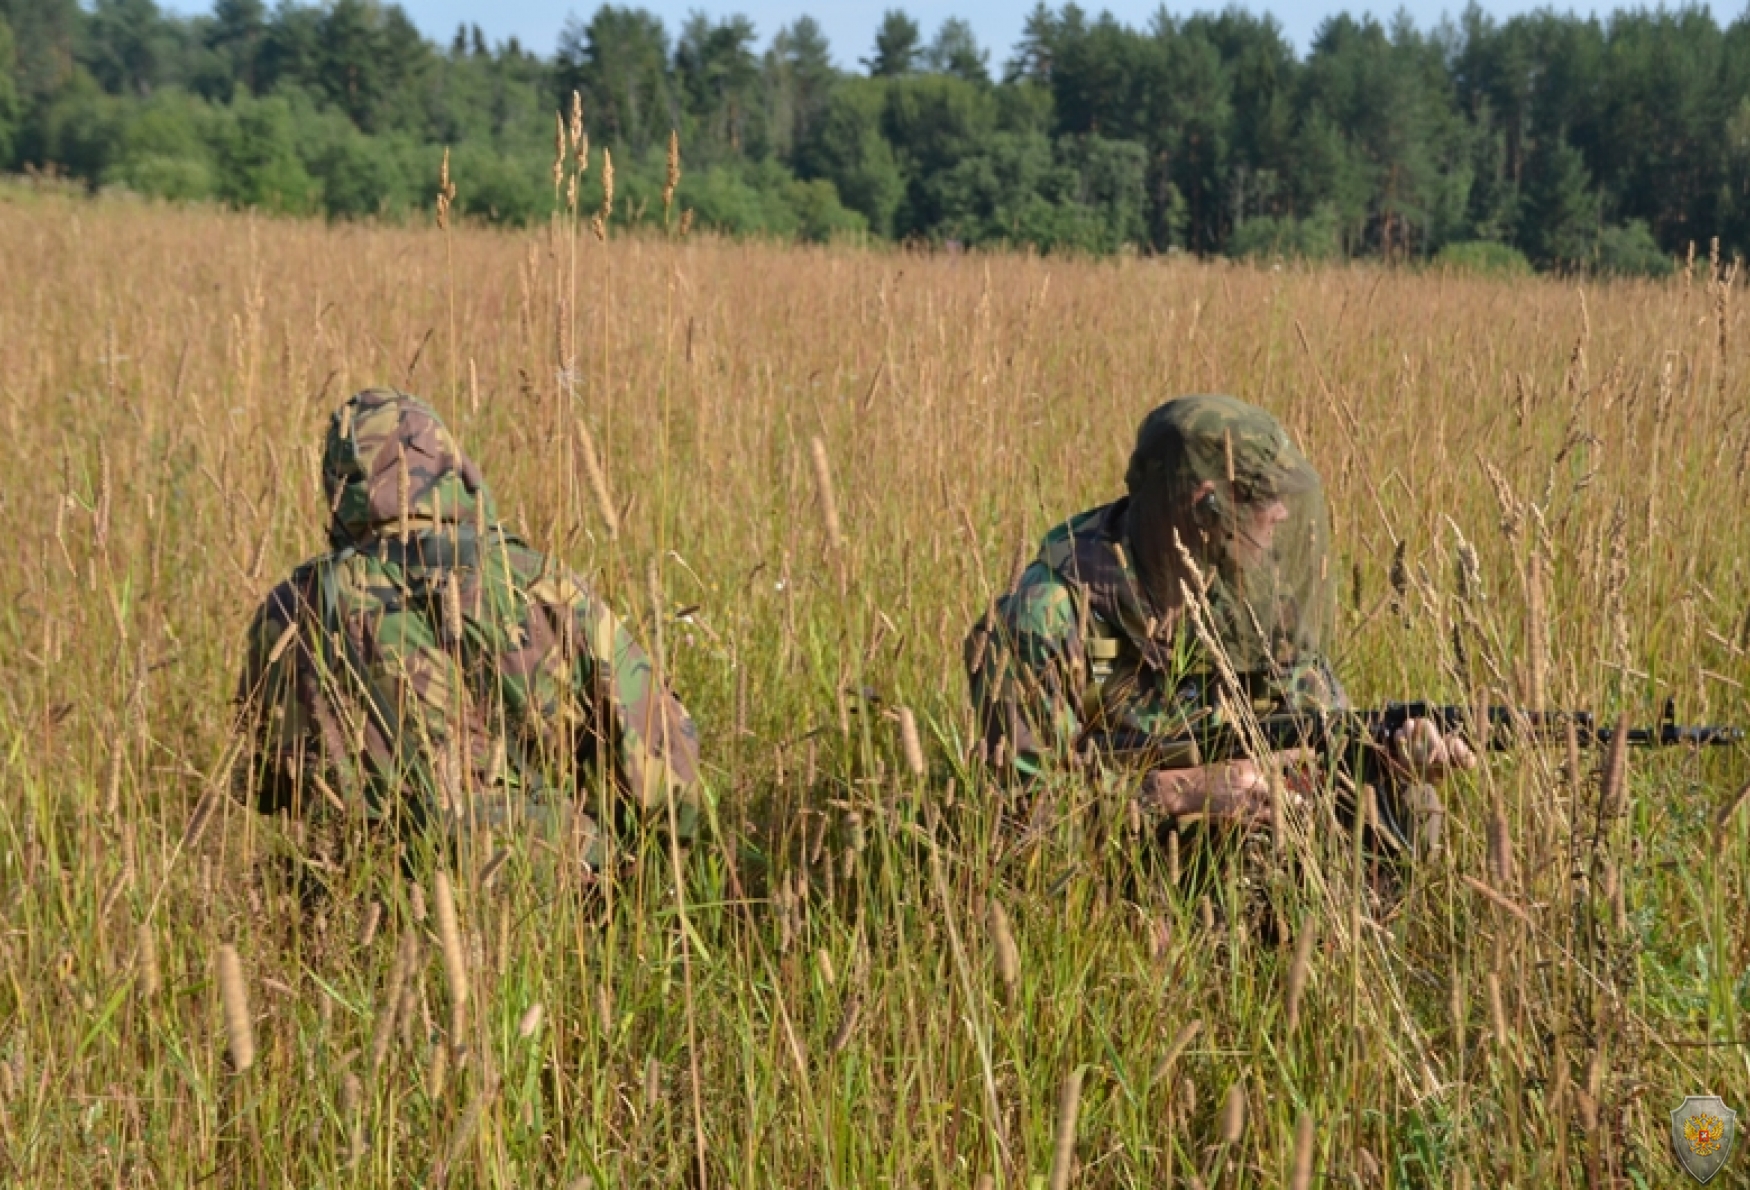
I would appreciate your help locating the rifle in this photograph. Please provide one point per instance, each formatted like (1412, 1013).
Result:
(1364, 737)
(1331, 732)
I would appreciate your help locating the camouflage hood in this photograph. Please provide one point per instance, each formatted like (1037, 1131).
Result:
(389, 463)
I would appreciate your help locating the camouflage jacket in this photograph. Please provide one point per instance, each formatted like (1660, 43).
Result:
(434, 664)
(1074, 649)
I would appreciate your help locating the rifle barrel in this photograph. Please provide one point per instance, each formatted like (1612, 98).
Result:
(1508, 727)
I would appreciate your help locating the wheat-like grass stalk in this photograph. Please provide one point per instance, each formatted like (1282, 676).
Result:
(1063, 1140)
(597, 479)
(463, 1136)
(455, 960)
(847, 1026)
(823, 490)
(1500, 849)
(1181, 1042)
(352, 1115)
(146, 960)
(239, 1029)
(910, 745)
(437, 1073)
(1008, 954)
(406, 956)
(1613, 784)
(1301, 1178)
(1233, 1115)
(1298, 971)
(672, 179)
(446, 193)
(1497, 1015)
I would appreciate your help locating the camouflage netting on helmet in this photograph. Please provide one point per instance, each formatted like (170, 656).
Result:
(1221, 481)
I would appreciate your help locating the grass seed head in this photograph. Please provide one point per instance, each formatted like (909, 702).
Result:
(239, 1029)
(1008, 954)
(1500, 850)
(910, 744)
(1181, 1042)
(1063, 1146)
(607, 211)
(146, 960)
(1301, 1178)
(823, 490)
(437, 1073)
(1497, 1013)
(394, 993)
(596, 477)
(455, 961)
(558, 153)
(1298, 971)
(673, 177)
(1233, 1115)
(1613, 787)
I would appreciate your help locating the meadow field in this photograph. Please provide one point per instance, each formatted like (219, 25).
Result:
(868, 975)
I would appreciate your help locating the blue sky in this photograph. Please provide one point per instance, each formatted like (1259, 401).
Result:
(850, 27)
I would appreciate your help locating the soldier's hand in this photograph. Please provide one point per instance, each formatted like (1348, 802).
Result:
(1427, 755)
(1235, 792)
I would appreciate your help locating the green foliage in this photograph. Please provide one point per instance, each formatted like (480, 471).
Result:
(10, 104)
(1317, 237)
(846, 148)
(1559, 219)
(897, 46)
(1631, 251)
(362, 176)
(258, 160)
(1203, 132)
(165, 149)
(1485, 258)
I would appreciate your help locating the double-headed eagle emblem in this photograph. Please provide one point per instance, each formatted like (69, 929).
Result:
(1702, 1131)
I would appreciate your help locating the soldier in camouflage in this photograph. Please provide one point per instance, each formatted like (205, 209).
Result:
(434, 670)
(1207, 589)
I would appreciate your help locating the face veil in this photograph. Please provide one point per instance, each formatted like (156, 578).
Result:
(1223, 480)
(1272, 598)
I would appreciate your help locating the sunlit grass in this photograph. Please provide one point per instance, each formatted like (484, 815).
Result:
(164, 376)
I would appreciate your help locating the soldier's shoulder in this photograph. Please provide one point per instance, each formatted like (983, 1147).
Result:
(1042, 603)
(1058, 549)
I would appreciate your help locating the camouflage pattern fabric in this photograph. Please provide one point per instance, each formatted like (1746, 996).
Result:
(1073, 649)
(1096, 636)
(434, 667)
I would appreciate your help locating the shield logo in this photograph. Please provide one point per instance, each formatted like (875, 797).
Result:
(1702, 1132)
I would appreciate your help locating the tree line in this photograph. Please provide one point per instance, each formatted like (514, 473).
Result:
(1567, 142)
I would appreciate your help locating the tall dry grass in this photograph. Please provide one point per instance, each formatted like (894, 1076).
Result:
(1538, 494)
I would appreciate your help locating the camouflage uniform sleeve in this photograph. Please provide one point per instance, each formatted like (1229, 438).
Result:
(1027, 671)
(654, 742)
